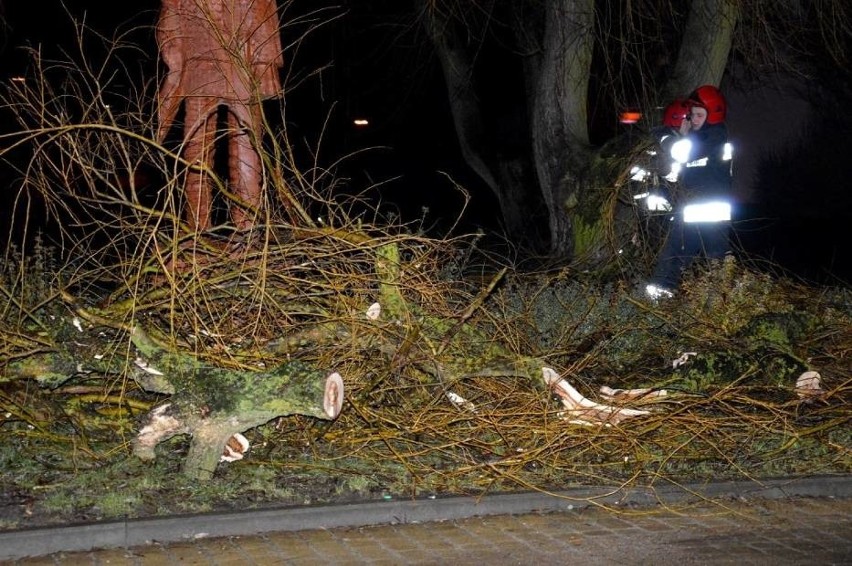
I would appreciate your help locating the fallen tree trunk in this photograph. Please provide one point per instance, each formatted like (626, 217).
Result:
(212, 404)
(235, 404)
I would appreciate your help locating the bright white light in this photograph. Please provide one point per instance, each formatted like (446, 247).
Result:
(361, 122)
(18, 79)
(728, 152)
(658, 203)
(638, 174)
(680, 150)
(717, 211)
(658, 292)
(672, 176)
(699, 162)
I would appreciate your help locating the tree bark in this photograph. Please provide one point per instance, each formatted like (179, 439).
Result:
(292, 389)
(207, 402)
(706, 45)
(511, 179)
(559, 116)
(457, 66)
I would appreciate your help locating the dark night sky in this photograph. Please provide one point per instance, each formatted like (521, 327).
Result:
(399, 88)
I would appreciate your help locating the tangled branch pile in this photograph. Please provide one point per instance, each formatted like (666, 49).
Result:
(443, 389)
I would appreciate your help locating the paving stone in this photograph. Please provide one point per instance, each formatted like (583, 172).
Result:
(777, 532)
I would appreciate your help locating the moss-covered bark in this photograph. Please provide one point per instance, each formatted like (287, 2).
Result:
(207, 402)
(217, 404)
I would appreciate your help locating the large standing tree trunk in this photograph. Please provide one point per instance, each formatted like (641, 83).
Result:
(706, 45)
(559, 117)
(511, 179)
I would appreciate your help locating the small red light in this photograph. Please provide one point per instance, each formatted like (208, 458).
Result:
(630, 117)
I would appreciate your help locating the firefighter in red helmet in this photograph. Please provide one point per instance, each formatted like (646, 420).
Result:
(675, 115)
(703, 219)
(653, 178)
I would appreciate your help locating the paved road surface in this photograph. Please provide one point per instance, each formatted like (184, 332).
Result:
(794, 531)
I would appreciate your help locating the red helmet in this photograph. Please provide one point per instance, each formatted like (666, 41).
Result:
(711, 99)
(675, 113)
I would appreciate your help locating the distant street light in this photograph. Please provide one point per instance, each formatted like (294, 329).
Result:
(361, 122)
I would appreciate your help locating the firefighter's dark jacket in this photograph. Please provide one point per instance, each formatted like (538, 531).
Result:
(707, 174)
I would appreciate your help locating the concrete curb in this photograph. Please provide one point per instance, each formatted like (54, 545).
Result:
(137, 532)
